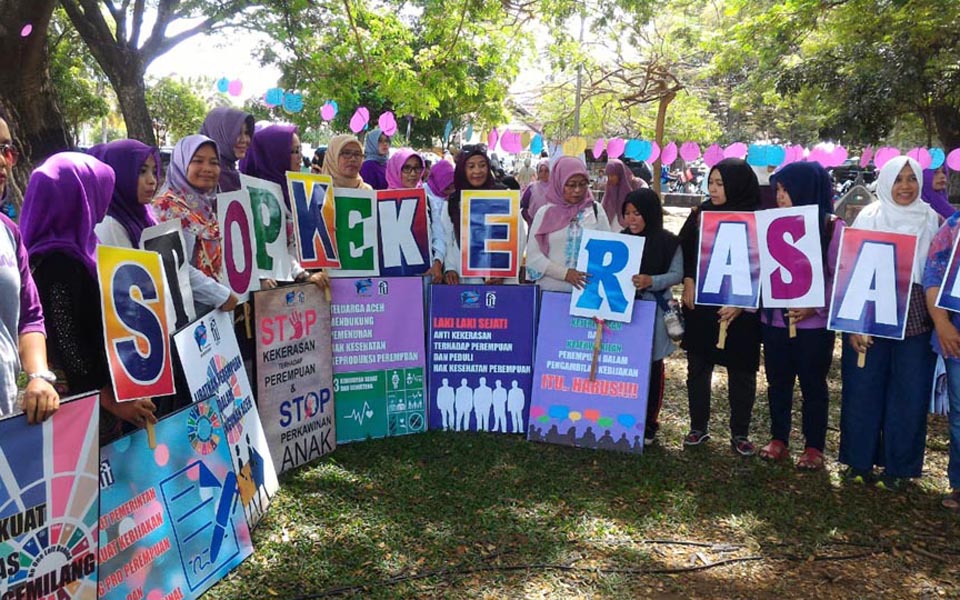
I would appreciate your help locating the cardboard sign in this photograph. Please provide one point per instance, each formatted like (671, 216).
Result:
(608, 413)
(295, 374)
(872, 283)
(212, 366)
(611, 260)
(171, 518)
(949, 296)
(50, 503)
(728, 272)
(166, 239)
(135, 331)
(378, 357)
(791, 258)
(481, 356)
(311, 199)
(404, 234)
(239, 252)
(490, 233)
(269, 228)
(356, 226)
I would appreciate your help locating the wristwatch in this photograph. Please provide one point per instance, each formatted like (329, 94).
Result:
(46, 375)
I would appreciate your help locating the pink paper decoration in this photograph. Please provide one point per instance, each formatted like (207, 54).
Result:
(689, 151)
(654, 152)
(735, 150)
(838, 156)
(615, 148)
(359, 120)
(27, 30)
(510, 142)
(953, 160)
(492, 138)
(388, 124)
(235, 88)
(884, 155)
(327, 112)
(713, 155)
(669, 153)
(598, 147)
(922, 156)
(866, 157)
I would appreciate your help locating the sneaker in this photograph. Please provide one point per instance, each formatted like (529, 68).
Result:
(890, 483)
(695, 438)
(742, 446)
(859, 476)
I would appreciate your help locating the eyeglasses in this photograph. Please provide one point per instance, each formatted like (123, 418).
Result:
(10, 153)
(352, 155)
(576, 185)
(410, 169)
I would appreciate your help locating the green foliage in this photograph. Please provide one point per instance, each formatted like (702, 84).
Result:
(175, 108)
(80, 85)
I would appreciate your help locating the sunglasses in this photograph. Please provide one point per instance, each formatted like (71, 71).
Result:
(10, 153)
(469, 148)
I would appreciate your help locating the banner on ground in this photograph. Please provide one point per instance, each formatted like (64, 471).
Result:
(608, 413)
(135, 332)
(490, 233)
(166, 239)
(404, 235)
(356, 227)
(871, 290)
(728, 272)
(295, 374)
(311, 200)
(211, 363)
(269, 228)
(481, 356)
(791, 258)
(171, 518)
(378, 357)
(50, 503)
(240, 271)
(610, 260)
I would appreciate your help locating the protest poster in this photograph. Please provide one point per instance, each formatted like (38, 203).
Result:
(211, 363)
(311, 200)
(356, 228)
(135, 331)
(791, 259)
(295, 374)
(171, 518)
(728, 272)
(166, 239)
(404, 235)
(949, 296)
(50, 503)
(608, 413)
(237, 239)
(610, 260)
(269, 228)
(378, 357)
(481, 356)
(871, 290)
(490, 233)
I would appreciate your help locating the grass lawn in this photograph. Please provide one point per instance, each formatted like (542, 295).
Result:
(447, 515)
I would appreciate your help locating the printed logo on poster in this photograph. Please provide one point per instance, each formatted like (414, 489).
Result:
(872, 283)
(949, 296)
(791, 258)
(610, 261)
(135, 329)
(314, 219)
(728, 272)
(489, 233)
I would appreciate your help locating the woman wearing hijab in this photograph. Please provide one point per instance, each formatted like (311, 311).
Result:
(342, 163)
(660, 269)
(535, 195)
(376, 147)
(137, 169)
(883, 417)
(231, 129)
(733, 187)
(276, 149)
(620, 182)
(66, 197)
(935, 193)
(472, 172)
(438, 188)
(189, 195)
(404, 170)
(807, 356)
(558, 226)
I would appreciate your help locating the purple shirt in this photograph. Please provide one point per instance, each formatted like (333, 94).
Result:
(936, 269)
(374, 174)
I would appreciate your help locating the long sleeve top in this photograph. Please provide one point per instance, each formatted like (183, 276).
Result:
(549, 270)
(936, 269)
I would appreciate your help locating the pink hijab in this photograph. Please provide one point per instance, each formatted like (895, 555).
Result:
(614, 196)
(561, 213)
(395, 167)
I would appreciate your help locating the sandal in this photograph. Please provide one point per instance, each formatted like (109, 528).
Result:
(810, 460)
(951, 501)
(775, 451)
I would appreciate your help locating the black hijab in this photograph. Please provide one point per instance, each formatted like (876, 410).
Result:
(461, 182)
(660, 245)
(740, 186)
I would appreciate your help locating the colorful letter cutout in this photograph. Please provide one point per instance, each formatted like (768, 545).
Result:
(404, 236)
(239, 255)
(728, 272)
(356, 227)
(610, 260)
(166, 239)
(311, 199)
(269, 228)
(489, 233)
(791, 263)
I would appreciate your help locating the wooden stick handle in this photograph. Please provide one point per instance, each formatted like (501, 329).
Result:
(151, 435)
(246, 320)
(862, 359)
(722, 340)
(326, 293)
(793, 327)
(597, 344)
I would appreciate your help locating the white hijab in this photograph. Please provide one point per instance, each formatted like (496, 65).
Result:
(886, 215)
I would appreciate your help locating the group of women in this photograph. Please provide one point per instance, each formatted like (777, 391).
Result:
(76, 201)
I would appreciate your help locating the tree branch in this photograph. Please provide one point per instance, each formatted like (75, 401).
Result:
(356, 33)
(138, 7)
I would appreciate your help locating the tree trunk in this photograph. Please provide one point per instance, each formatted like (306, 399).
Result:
(947, 119)
(26, 92)
(665, 101)
(125, 72)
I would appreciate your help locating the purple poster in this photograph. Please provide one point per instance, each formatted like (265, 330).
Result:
(378, 357)
(481, 356)
(568, 408)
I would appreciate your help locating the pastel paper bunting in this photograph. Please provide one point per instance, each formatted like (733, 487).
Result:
(328, 111)
(936, 158)
(633, 149)
(359, 120)
(669, 153)
(492, 138)
(510, 142)
(866, 157)
(884, 155)
(223, 85)
(525, 139)
(953, 160)
(654, 152)
(388, 124)
(735, 150)
(293, 102)
(235, 88)
(598, 147)
(536, 145)
(776, 155)
(447, 130)
(713, 155)
(922, 156)
(615, 148)
(273, 97)
(689, 151)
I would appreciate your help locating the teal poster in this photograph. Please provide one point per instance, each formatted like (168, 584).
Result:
(171, 517)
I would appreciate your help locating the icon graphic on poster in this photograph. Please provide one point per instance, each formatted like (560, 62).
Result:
(384, 288)
(201, 426)
(365, 413)
(491, 300)
(363, 286)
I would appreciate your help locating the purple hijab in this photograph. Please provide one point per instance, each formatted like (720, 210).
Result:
(614, 196)
(395, 167)
(269, 156)
(938, 200)
(561, 212)
(126, 157)
(440, 178)
(224, 125)
(66, 197)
